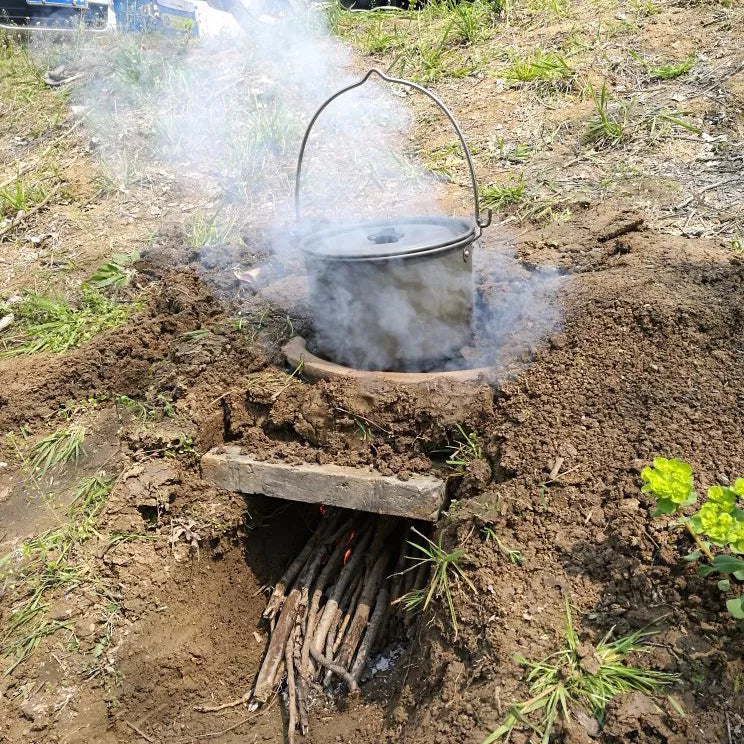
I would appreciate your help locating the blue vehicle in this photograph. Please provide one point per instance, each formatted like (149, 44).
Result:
(55, 14)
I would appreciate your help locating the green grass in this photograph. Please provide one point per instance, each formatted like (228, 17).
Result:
(572, 678)
(53, 325)
(446, 571)
(512, 554)
(58, 448)
(19, 197)
(539, 66)
(607, 126)
(671, 70)
(667, 70)
(47, 565)
(498, 195)
(466, 449)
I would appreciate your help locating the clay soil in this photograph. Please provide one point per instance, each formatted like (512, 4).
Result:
(638, 354)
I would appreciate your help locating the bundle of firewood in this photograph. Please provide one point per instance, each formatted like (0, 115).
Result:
(332, 605)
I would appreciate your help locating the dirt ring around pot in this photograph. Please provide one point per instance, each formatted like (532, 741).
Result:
(296, 353)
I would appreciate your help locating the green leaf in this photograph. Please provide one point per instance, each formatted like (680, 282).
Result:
(727, 564)
(724, 585)
(690, 557)
(739, 487)
(736, 607)
(664, 506)
(739, 575)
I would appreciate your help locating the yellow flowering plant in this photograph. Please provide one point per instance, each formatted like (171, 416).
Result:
(717, 526)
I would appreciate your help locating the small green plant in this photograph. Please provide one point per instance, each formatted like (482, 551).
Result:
(667, 70)
(466, 449)
(116, 273)
(512, 555)
(196, 335)
(582, 677)
(19, 198)
(46, 564)
(446, 571)
(53, 325)
(208, 231)
(607, 126)
(499, 195)
(58, 448)
(377, 39)
(539, 66)
(718, 523)
(671, 70)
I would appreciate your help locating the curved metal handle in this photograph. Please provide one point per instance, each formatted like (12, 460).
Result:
(480, 221)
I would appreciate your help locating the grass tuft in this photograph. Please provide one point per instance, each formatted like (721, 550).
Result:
(607, 125)
(467, 449)
(446, 572)
(58, 448)
(53, 325)
(539, 66)
(501, 195)
(49, 565)
(580, 676)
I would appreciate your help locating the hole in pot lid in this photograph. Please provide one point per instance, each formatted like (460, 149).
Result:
(388, 238)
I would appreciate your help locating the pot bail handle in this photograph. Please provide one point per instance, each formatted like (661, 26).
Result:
(481, 221)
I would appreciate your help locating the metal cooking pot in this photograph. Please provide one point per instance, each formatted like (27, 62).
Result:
(392, 294)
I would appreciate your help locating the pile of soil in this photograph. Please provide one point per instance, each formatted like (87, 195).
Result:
(647, 361)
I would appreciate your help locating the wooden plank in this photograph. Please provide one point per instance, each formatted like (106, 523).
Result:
(419, 497)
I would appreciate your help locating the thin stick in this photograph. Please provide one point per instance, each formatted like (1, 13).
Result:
(223, 706)
(293, 570)
(381, 607)
(331, 567)
(364, 608)
(139, 731)
(329, 611)
(291, 690)
(213, 734)
(336, 669)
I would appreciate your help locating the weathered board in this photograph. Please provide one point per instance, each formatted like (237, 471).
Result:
(419, 497)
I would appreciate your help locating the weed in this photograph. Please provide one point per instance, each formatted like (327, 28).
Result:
(577, 677)
(446, 571)
(469, 20)
(668, 70)
(207, 232)
(48, 563)
(58, 448)
(19, 198)
(116, 273)
(498, 195)
(466, 450)
(512, 555)
(196, 335)
(660, 123)
(607, 126)
(377, 39)
(718, 522)
(140, 410)
(645, 8)
(539, 66)
(53, 325)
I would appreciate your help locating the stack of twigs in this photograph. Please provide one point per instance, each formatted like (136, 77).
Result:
(331, 606)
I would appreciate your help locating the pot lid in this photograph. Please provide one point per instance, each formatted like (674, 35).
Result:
(389, 238)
